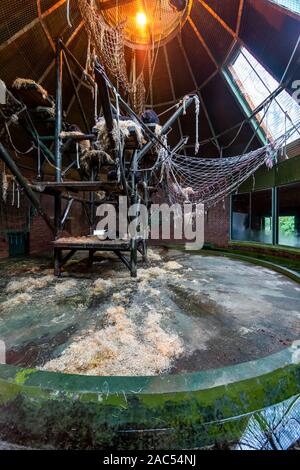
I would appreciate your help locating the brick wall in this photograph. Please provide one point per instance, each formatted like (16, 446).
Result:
(41, 237)
(3, 248)
(216, 225)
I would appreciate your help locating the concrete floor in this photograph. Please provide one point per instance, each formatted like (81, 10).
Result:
(224, 311)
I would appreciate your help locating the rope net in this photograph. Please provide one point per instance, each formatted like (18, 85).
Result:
(209, 180)
(108, 43)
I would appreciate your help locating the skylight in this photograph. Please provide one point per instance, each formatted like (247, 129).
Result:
(293, 5)
(256, 84)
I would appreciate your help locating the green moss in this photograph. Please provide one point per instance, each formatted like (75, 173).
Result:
(8, 392)
(22, 375)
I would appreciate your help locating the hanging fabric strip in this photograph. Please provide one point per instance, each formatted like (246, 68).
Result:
(13, 194)
(68, 14)
(18, 196)
(96, 103)
(39, 160)
(197, 111)
(77, 155)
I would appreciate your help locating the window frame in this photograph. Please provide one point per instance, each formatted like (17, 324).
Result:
(240, 98)
(285, 8)
(275, 216)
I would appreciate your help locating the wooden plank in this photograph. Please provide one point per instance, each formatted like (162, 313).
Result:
(75, 186)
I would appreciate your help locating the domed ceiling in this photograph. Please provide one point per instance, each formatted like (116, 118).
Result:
(189, 53)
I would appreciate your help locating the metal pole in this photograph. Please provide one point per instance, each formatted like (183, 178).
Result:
(58, 110)
(77, 63)
(275, 216)
(23, 182)
(83, 115)
(167, 125)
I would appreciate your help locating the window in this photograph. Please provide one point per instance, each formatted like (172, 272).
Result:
(293, 5)
(289, 215)
(255, 84)
(261, 216)
(240, 221)
(252, 217)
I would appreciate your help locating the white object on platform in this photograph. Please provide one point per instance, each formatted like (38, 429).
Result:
(101, 234)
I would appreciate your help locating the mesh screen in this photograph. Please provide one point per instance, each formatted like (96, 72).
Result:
(46, 4)
(228, 11)
(15, 15)
(57, 22)
(160, 19)
(293, 5)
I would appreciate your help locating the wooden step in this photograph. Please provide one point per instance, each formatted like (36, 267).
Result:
(50, 187)
(91, 243)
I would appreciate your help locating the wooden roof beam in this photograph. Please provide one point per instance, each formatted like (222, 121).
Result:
(212, 130)
(172, 86)
(218, 18)
(202, 41)
(239, 20)
(111, 4)
(46, 31)
(31, 24)
(71, 38)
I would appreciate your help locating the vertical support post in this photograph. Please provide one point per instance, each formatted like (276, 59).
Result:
(133, 257)
(58, 110)
(91, 257)
(133, 200)
(57, 224)
(57, 262)
(57, 153)
(146, 235)
(92, 203)
(275, 216)
(57, 214)
(230, 217)
(134, 77)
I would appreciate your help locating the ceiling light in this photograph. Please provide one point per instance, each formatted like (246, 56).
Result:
(141, 19)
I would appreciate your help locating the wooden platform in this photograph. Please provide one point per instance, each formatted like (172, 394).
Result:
(91, 243)
(50, 187)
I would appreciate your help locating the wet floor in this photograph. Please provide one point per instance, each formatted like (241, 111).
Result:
(184, 312)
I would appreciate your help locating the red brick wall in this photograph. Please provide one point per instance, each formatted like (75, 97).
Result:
(217, 220)
(40, 236)
(3, 248)
(216, 224)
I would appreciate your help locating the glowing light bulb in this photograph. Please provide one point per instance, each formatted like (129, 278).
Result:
(141, 19)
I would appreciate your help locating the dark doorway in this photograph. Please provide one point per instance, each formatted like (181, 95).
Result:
(18, 243)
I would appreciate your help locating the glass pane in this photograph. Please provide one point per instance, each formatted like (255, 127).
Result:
(289, 215)
(261, 216)
(240, 217)
(293, 5)
(256, 84)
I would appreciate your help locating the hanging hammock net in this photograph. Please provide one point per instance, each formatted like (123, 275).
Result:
(209, 180)
(108, 44)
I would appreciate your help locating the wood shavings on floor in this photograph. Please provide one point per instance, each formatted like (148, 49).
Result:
(122, 347)
(102, 286)
(28, 284)
(63, 287)
(18, 299)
